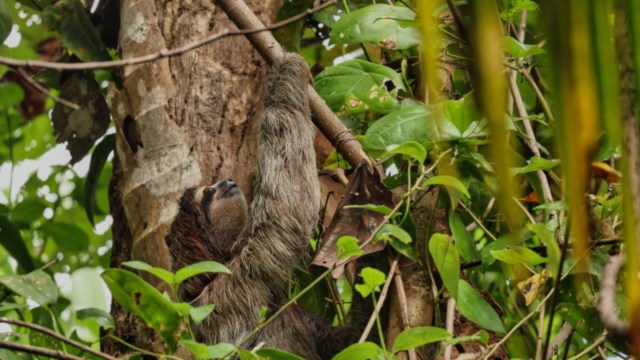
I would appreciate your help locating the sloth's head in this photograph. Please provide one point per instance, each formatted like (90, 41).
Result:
(224, 206)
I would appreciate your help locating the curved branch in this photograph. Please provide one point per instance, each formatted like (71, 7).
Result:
(607, 302)
(30, 349)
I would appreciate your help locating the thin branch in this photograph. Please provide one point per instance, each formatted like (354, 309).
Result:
(607, 303)
(36, 350)
(380, 303)
(404, 312)
(563, 335)
(96, 65)
(594, 345)
(451, 314)
(57, 336)
(543, 101)
(44, 90)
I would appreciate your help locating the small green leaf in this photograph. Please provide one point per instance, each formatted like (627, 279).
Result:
(537, 163)
(6, 23)
(519, 50)
(347, 246)
(142, 299)
(475, 308)
(445, 256)
(199, 350)
(448, 181)
(164, 275)
(362, 351)
(37, 286)
(481, 337)
(98, 160)
(384, 25)
(221, 350)
(464, 243)
(11, 94)
(556, 206)
(200, 313)
(68, 237)
(389, 230)
(199, 268)
(553, 249)
(410, 148)
(356, 86)
(382, 209)
(100, 316)
(419, 336)
(372, 278)
(518, 255)
(404, 249)
(12, 241)
(275, 354)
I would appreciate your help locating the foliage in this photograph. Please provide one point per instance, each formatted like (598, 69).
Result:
(425, 90)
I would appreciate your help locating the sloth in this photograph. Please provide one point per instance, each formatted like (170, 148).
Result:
(262, 244)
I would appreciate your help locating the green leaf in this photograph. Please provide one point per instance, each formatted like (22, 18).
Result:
(410, 148)
(221, 350)
(519, 50)
(12, 241)
(202, 351)
(578, 317)
(464, 243)
(389, 230)
(362, 351)
(356, 86)
(481, 337)
(11, 94)
(404, 249)
(445, 256)
(37, 286)
(384, 25)
(382, 209)
(199, 268)
(100, 316)
(518, 255)
(275, 354)
(28, 211)
(347, 246)
(199, 350)
(372, 278)
(98, 160)
(553, 249)
(6, 23)
(556, 205)
(142, 299)
(537, 163)
(475, 308)
(164, 275)
(200, 313)
(449, 181)
(68, 237)
(443, 121)
(419, 336)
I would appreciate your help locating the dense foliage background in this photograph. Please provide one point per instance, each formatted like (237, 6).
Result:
(499, 126)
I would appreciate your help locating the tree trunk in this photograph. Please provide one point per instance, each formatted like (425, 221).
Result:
(181, 122)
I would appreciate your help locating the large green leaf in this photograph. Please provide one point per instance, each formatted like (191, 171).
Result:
(200, 268)
(443, 121)
(68, 237)
(11, 94)
(362, 351)
(445, 256)
(12, 241)
(356, 86)
(385, 25)
(518, 255)
(37, 286)
(464, 243)
(142, 299)
(475, 308)
(419, 336)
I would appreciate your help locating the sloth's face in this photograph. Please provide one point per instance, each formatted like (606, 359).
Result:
(224, 206)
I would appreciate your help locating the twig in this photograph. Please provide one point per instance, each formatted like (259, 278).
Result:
(380, 303)
(606, 304)
(497, 345)
(404, 312)
(96, 65)
(451, 312)
(594, 345)
(543, 101)
(57, 336)
(539, 338)
(36, 350)
(458, 19)
(562, 336)
(478, 221)
(44, 90)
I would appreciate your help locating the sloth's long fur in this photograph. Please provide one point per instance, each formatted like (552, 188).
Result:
(263, 251)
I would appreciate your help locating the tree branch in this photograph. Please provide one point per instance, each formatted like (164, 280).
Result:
(606, 304)
(57, 336)
(30, 349)
(271, 51)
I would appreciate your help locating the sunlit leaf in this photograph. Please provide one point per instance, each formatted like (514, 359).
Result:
(518, 255)
(200, 313)
(165, 275)
(419, 336)
(448, 181)
(445, 256)
(200, 268)
(276, 354)
(37, 286)
(347, 246)
(362, 351)
(412, 149)
(372, 278)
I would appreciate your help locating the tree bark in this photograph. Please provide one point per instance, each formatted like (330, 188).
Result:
(181, 122)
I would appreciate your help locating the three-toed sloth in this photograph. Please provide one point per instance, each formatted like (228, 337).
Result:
(262, 244)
